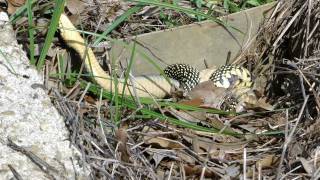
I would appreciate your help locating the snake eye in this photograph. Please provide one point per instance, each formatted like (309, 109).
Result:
(185, 74)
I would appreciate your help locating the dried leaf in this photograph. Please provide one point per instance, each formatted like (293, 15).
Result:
(248, 127)
(193, 102)
(197, 145)
(13, 5)
(192, 116)
(122, 137)
(306, 165)
(75, 6)
(267, 161)
(203, 145)
(260, 84)
(157, 157)
(216, 123)
(162, 142)
(148, 11)
(90, 99)
(196, 170)
(183, 156)
(262, 103)
(251, 101)
(211, 95)
(233, 170)
(159, 154)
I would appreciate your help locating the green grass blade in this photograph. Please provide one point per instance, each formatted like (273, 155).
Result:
(20, 12)
(117, 22)
(115, 96)
(148, 113)
(59, 7)
(31, 32)
(127, 73)
(61, 65)
(187, 11)
(130, 103)
(177, 8)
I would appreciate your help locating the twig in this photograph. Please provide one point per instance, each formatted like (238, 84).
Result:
(44, 166)
(288, 140)
(286, 28)
(244, 164)
(170, 172)
(15, 172)
(100, 122)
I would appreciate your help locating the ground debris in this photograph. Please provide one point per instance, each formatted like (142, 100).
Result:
(280, 142)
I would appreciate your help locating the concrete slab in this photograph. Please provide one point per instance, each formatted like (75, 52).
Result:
(192, 44)
(33, 136)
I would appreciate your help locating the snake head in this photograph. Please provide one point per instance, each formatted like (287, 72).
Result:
(231, 76)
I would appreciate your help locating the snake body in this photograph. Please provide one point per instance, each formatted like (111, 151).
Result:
(187, 76)
(180, 75)
(151, 86)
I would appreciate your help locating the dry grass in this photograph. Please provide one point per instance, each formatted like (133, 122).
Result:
(285, 52)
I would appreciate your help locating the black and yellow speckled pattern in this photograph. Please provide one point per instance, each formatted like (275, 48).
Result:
(185, 74)
(231, 76)
(227, 76)
(229, 104)
(235, 77)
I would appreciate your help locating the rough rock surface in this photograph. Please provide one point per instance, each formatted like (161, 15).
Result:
(30, 121)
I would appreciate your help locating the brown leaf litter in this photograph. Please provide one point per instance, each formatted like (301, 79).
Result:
(284, 59)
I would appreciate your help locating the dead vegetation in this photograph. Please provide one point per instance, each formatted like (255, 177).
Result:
(281, 144)
(287, 51)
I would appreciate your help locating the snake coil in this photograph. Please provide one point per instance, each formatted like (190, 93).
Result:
(181, 75)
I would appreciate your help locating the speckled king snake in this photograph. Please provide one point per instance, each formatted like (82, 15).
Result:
(180, 75)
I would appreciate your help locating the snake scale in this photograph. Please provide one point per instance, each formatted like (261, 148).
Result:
(180, 75)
